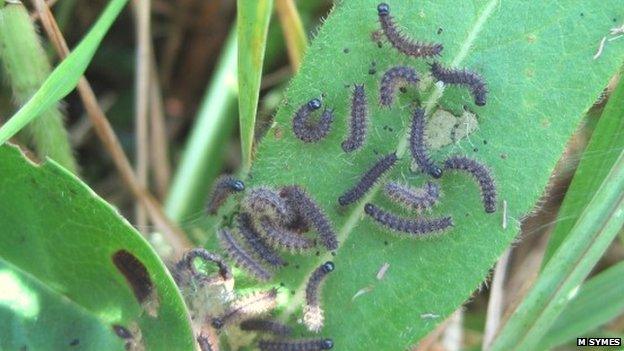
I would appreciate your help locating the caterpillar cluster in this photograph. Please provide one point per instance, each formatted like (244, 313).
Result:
(272, 220)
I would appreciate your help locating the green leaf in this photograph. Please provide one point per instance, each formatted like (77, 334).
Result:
(537, 60)
(252, 25)
(597, 302)
(56, 267)
(65, 76)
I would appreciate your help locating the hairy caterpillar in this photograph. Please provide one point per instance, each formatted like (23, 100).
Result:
(223, 187)
(307, 131)
(358, 122)
(400, 41)
(481, 174)
(391, 80)
(418, 147)
(470, 79)
(416, 227)
(368, 179)
(241, 257)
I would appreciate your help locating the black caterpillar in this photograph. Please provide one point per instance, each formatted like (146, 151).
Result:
(400, 41)
(359, 120)
(390, 81)
(418, 146)
(307, 131)
(417, 227)
(470, 79)
(481, 174)
(368, 180)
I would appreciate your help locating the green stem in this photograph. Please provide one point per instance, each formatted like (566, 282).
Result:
(27, 67)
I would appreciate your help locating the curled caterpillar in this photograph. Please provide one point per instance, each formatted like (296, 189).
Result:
(481, 174)
(306, 130)
(313, 315)
(266, 325)
(241, 257)
(254, 304)
(262, 201)
(417, 227)
(282, 238)
(359, 120)
(296, 345)
(256, 242)
(391, 80)
(186, 264)
(464, 77)
(418, 199)
(418, 146)
(312, 214)
(368, 180)
(223, 187)
(400, 41)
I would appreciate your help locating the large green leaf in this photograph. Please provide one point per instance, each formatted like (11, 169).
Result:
(537, 60)
(59, 282)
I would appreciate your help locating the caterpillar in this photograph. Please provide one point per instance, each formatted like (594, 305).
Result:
(312, 214)
(417, 227)
(464, 77)
(313, 315)
(282, 238)
(266, 325)
(296, 345)
(256, 242)
(254, 304)
(418, 199)
(304, 129)
(208, 340)
(358, 122)
(391, 80)
(481, 174)
(186, 264)
(241, 257)
(400, 41)
(262, 201)
(418, 147)
(368, 179)
(223, 187)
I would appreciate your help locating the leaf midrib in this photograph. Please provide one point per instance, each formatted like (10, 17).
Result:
(431, 102)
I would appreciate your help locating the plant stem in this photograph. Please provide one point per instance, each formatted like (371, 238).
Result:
(27, 67)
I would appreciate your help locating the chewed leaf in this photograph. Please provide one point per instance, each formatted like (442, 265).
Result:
(74, 273)
(536, 59)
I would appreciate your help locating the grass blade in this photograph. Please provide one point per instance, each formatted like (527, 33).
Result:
(65, 76)
(253, 25)
(202, 155)
(598, 301)
(601, 152)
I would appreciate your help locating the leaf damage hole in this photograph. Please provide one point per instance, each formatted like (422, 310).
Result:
(138, 277)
